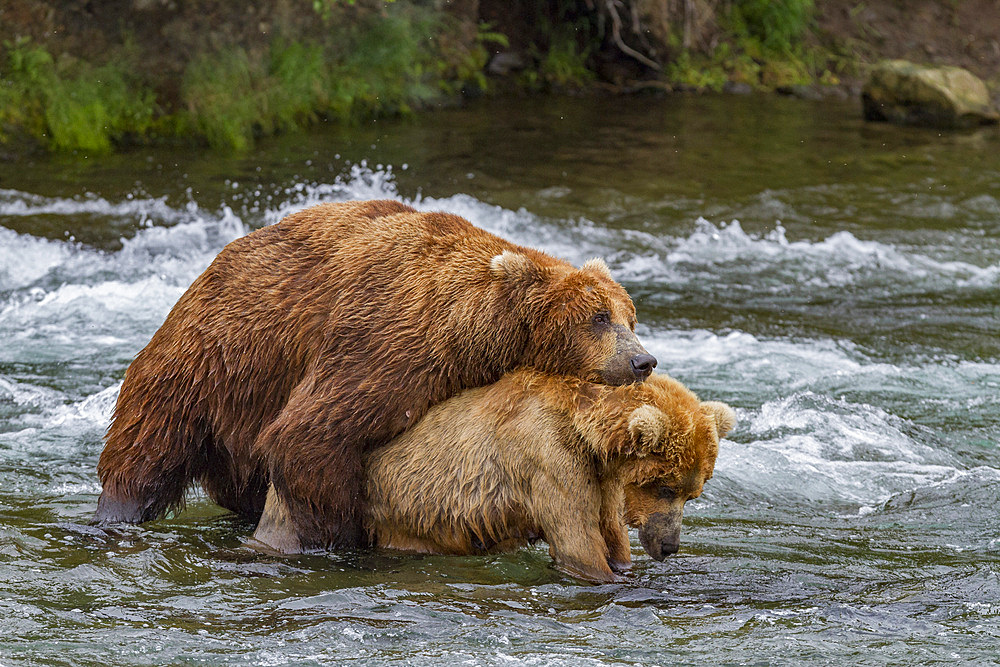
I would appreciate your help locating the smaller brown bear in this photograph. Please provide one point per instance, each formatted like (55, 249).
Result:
(537, 456)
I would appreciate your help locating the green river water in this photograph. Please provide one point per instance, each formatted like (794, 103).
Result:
(836, 282)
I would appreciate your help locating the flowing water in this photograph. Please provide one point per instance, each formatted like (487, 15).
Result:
(838, 283)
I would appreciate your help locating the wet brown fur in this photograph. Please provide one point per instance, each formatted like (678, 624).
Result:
(310, 342)
(538, 456)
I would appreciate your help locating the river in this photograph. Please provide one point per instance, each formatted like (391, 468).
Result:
(836, 282)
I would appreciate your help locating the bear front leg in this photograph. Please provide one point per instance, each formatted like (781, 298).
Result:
(619, 549)
(313, 454)
(570, 523)
(582, 555)
(613, 527)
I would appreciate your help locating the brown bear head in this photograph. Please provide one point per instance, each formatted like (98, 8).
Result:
(581, 322)
(683, 449)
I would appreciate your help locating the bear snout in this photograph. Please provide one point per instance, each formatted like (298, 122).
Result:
(660, 536)
(642, 366)
(629, 362)
(669, 546)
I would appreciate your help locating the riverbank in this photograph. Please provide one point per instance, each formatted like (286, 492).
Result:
(95, 77)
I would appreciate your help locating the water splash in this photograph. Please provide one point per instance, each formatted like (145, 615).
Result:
(15, 203)
(712, 252)
(726, 253)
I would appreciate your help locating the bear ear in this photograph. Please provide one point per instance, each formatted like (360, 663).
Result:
(648, 424)
(725, 418)
(515, 266)
(597, 265)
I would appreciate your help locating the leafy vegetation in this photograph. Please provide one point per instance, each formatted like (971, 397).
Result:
(376, 59)
(282, 91)
(564, 65)
(774, 26)
(760, 43)
(460, 68)
(383, 68)
(227, 120)
(72, 105)
(383, 63)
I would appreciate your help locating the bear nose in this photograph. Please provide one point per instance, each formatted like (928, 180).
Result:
(668, 547)
(643, 365)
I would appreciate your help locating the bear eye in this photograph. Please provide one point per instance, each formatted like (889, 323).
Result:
(602, 318)
(660, 490)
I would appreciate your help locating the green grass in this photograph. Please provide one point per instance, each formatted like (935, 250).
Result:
(300, 85)
(382, 63)
(381, 66)
(762, 44)
(366, 64)
(209, 88)
(564, 65)
(696, 72)
(385, 66)
(72, 106)
(776, 26)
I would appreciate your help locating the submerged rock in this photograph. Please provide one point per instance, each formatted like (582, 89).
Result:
(909, 94)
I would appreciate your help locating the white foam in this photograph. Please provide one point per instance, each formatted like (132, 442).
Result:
(76, 489)
(361, 183)
(62, 296)
(25, 395)
(114, 296)
(696, 347)
(796, 440)
(53, 425)
(718, 252)
(14, 203)
(24, 259)
(98, 407)
(837, 429)
(76, 318)
(809, 449)
(182, 249)
(839, 260)
(172, 241)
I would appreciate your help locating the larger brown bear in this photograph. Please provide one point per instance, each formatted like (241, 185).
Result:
(313, 341)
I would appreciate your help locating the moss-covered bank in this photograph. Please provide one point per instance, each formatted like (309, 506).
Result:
(229, 80)
(89, 76)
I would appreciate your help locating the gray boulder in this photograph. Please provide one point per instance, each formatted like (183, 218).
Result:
(909, 94)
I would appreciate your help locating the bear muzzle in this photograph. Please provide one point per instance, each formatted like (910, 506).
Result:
(642, 366)
(660, 536)
(630, 362)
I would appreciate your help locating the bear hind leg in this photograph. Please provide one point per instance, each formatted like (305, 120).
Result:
(275, 530)
(145, 471)
(137, 500)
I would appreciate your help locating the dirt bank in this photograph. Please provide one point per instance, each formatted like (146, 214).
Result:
(965, 33)
(81, 74)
